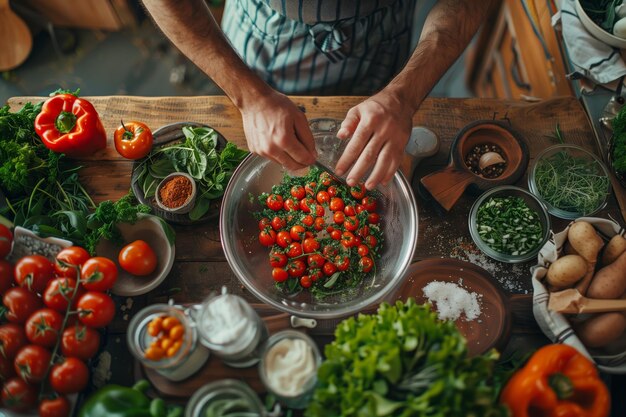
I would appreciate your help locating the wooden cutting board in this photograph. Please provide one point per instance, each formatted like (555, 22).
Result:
(16, 41)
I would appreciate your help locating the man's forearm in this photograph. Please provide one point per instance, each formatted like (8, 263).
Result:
(448, 29)
(191, 27)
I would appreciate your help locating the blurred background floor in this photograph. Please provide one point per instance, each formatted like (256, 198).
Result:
(138, 61)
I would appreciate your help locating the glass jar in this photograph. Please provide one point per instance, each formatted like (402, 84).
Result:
(231, 329)
(222, 392)
(288, 368)
(187, 360)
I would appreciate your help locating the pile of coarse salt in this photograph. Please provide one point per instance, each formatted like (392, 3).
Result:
(452, 300)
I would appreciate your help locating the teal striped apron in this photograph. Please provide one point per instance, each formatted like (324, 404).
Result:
(295, 47)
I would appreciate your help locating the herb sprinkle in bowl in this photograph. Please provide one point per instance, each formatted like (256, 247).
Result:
(571, 181)
(509, 224)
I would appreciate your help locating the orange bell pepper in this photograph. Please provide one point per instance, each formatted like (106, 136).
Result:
(557, 381)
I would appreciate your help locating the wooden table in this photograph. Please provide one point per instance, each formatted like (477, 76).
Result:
(200, 266)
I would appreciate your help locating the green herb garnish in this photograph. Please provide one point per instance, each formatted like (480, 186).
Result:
(619, 141)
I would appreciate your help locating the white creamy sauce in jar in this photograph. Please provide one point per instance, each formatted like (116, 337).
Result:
(225, 320)
(289, 365)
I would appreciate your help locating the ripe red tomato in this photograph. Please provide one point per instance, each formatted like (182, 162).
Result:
(264, 223)
(348, 240)
(20, 304)
(43, 327)
(339, 217)
(7, 370)
(323, 197)
(70, 376)
(283, 239)
(278, 259)
(137, 258)
(133, 140)
(363, 250)
(373, 218)
(12, 339)
(6, 241)
(358, 191)
(291, 205)
(329, 268)
(69, 259)
(310, 245)
(364, 231)
(267, 237)
(99, 274)
(295, 250)
(329, 252)
(326, 179)
(306, 204)
(316, 260)
(305, 281)
(308, 220)
(18, 396)
(33, 272)
(278, 223)
(279, 274)
(297, 232)
(316, 274)
(369, 203)
(96, 309)
(310, 188)
(298, 192)
(31, 363)
(274, 202)
(335, 234)
(351, 223)
(337, 204)
(319, 210)
(80, 341)
(359, 208)
(296, 268)
(319, 223)
(342, 262)
(371, 241)
(55, 407)
(366, 264)
(59, 291)
(6, 276)
(332, 191)
(349, 211)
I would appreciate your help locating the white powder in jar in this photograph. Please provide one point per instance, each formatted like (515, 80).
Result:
(452, 300)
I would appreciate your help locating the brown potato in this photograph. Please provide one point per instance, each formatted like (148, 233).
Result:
(601, 329)
(584, 239)
(613, 249)
(566, 271)
(610, 281)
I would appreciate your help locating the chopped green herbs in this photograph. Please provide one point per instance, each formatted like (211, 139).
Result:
(507, 225)
(571, 183)
(619, 141)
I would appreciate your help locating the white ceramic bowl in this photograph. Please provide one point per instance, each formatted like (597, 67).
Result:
(597, 31)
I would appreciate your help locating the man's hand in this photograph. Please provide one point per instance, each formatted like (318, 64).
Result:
(380, 127)
(276, 129)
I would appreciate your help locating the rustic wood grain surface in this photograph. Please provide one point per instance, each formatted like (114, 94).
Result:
(200, 265)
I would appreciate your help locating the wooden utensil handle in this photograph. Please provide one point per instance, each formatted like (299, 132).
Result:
(447, 186)
(599, 306)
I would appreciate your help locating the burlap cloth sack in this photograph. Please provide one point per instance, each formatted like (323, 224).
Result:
(554, 325)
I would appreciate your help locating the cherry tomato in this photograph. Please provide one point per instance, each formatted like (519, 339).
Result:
(6, 241)
(364, 231)
(55, 407)
(359, 208)
(68, 259)
(369, 203)
(371, 241)
(335, 234)
(308, 220)
(278, 223)
(133, 140)
(358, 191)
(342, 262)
(297, 232)
(305, 281)
(33, 272)
(319, 224)
(138, 258)
(326, 179)
(306, 204)
(43, 327)
(373, 218)
(319, 210)
(80, 341)
(316, 274)
(295, 250)
(298, 192)
(332, 191)
(310, 245)
(291, 205)
(267, 237)
(264, 223)
(18, 395)
(279, 274)
(7, 371)
(274, 202)
(70, 376)
(59, 291)
(20, 304)
(6, 276)
(315, 260)
(96, 309)
(329, 268)
(336, 204)
(99, 274)
(310, 188)
(283, 239)
(339, 217)
(348, 239)
(349, 211)
(31, 363)
(329, 252)
(363, 250)
(322, 197)
(277, 259)
(12, 339)
(296, 268)
(366, 264)
(351, 223)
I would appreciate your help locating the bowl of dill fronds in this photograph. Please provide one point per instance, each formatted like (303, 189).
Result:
(571, 181)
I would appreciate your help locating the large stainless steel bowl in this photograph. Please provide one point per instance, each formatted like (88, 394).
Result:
(249, 260)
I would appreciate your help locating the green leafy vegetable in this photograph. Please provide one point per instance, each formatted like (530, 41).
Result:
(619, 141)
(404, 362)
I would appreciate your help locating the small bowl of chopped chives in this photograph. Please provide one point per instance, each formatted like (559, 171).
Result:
(571, 181)
(509, 224)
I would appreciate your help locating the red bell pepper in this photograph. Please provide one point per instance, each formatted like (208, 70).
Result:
(70, 125)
